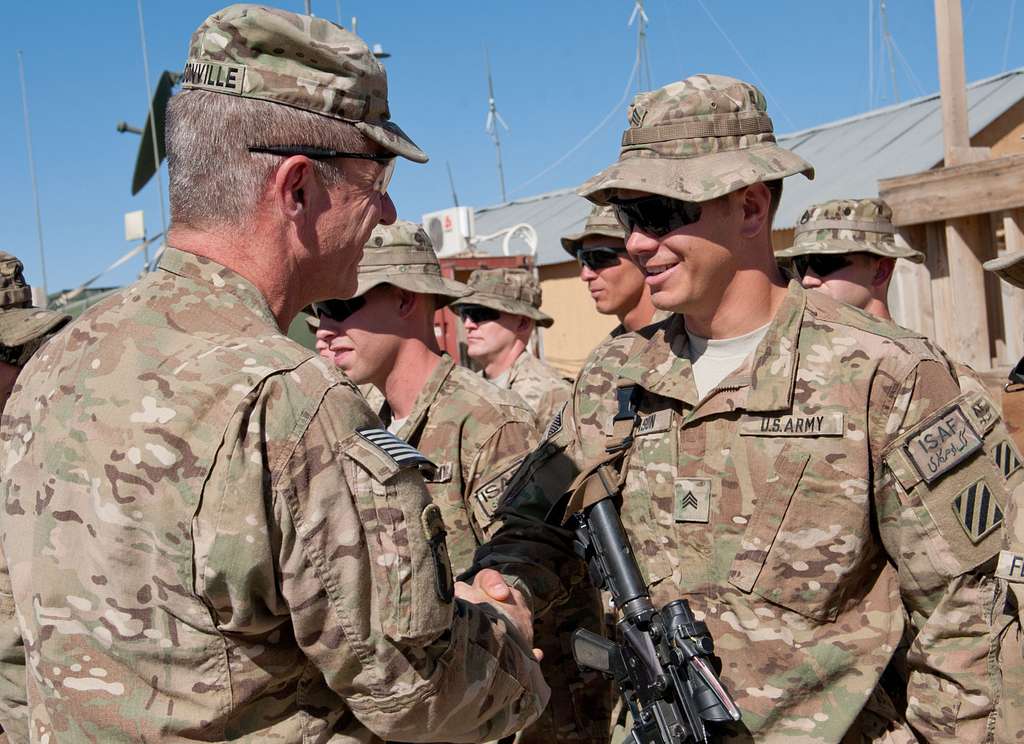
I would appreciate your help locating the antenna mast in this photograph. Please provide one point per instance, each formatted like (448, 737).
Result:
(643, 67)
(889, 45)
(32, 172)
(493, 119)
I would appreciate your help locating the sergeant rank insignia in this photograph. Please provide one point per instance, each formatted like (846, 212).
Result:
(403, 453)
(978, 511)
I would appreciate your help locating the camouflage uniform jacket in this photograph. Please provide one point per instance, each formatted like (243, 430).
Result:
(476, 434)
(834, 493)
(201, 544)
(539, 385)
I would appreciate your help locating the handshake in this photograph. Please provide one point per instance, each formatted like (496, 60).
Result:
(489, 587)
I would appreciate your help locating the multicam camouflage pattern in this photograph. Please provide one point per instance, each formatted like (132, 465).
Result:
(848, 226)
(296, 60)
(477, 435)
(20, 322)
(515, 291)
(822, 546)
(201, 545)
(543, 389)
(1010, 268)
(402, 255)
(696, 140)
(601, 222)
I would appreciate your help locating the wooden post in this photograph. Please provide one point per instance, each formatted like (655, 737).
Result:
(1013, 298)
(910, 296)
(964, 287)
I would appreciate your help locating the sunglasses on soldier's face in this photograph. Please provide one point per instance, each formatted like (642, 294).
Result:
(599, 257)
(822, 264)
(338, 310)
(655, 215)
(478, 313)
(380, 184)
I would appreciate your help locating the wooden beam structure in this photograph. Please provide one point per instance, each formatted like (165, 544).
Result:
(957, 191)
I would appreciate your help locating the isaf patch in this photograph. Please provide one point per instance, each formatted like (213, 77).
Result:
(435, 533)
(941, 446)
(1006, 458)
(400, 451)
(489, 493)
(978, 511)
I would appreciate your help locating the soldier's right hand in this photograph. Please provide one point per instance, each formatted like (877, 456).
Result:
(489, 587)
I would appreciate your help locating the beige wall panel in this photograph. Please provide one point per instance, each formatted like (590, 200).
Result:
(578, 326)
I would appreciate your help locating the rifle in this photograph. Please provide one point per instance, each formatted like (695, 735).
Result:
(662, 667)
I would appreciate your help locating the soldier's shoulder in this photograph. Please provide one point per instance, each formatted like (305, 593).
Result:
(614, 351)
(476, 396)
(543, 372)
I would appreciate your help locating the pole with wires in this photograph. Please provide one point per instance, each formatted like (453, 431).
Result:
(32, 173)
(638, 16)
(887, 40)
(491, 127)
(156, 143)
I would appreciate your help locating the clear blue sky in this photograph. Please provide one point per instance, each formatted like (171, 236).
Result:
(559, 67)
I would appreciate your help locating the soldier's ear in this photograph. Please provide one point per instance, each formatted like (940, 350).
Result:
(884, 268)
(290, 187)
(757, 201)
(407, 302)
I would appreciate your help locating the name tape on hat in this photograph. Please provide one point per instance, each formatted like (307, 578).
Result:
(213, 76)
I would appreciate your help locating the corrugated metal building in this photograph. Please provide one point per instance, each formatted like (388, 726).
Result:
(849, 156)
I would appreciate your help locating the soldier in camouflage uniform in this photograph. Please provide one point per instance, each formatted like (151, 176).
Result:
(23, 328)
(475, 433)
(499, 318)
(830, 495)
(208, 534)
(847, 249)
(616, 284)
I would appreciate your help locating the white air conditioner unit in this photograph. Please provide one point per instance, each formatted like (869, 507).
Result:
(450, 230)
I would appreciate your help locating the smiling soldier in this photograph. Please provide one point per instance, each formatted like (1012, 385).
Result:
(811, 551)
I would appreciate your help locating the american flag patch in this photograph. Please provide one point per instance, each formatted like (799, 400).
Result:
(403, 453)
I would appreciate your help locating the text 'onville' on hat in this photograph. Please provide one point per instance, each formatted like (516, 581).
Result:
(296, 60)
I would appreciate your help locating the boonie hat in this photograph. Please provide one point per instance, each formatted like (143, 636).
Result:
(403, 256)
(848, 226)
(696, 140)
(20, 322)
(1010, 268)
(514, 291)
(600, 223)
(296, 60)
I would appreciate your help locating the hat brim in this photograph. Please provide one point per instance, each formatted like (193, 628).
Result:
(445, 289)
(19, 325)
(1009, 268)
(698, 178)
(572, 243)
(507, 305)
(390, 136)
(839, 246)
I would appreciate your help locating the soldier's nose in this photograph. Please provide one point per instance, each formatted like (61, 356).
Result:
(810, 280)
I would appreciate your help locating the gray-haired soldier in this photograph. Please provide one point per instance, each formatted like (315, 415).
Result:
(209, 535)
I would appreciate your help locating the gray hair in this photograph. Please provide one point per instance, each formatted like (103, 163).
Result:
(213, 177)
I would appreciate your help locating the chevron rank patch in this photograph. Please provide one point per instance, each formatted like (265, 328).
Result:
(693, 499)
(1005, 456)
(403, 453)
(978, 511)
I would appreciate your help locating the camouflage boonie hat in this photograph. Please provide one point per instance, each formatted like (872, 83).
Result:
(296, 60)
(696, 140)
(602, 223)
(403, 256)
(514, 291)
(1010, 268)
(848, 226)
(20, 322)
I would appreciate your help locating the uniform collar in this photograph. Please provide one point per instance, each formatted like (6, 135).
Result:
(227, 286)
(660, 364)
(426, 397)
(518, 367)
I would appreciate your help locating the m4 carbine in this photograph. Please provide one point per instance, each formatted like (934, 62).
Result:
(662, 664)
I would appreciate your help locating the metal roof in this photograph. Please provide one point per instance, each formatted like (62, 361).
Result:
(849, 156)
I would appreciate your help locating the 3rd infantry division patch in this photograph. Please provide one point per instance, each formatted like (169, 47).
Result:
(977, 510)
(1006, 459)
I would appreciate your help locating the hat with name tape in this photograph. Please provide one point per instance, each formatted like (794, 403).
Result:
(296, 60)
(696, 140)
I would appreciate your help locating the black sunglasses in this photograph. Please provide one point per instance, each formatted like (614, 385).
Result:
(821, 264)
(655, 215)
(324, 153)
(478, 313)
(597, 257)
(338, 310)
